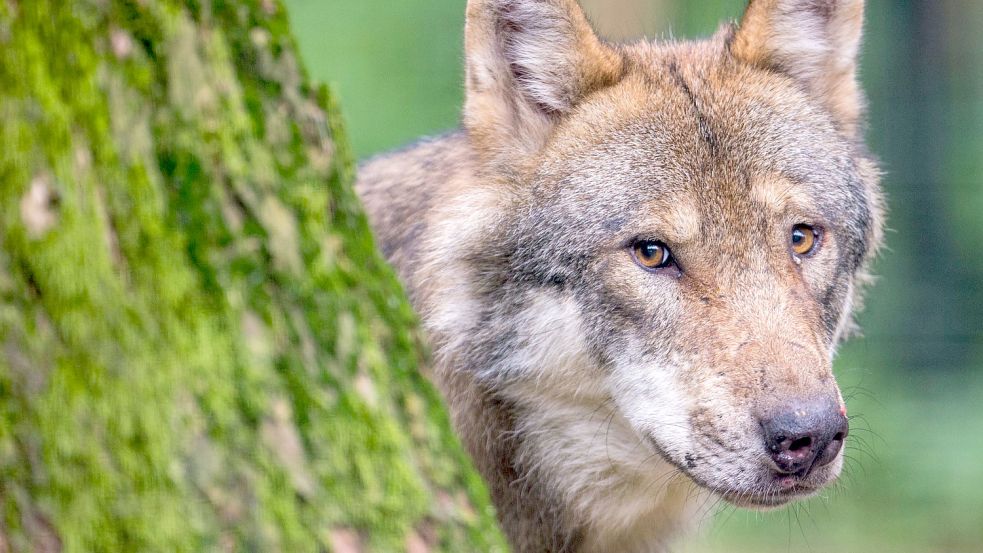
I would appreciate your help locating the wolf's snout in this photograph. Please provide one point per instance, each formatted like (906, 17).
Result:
(805, 436)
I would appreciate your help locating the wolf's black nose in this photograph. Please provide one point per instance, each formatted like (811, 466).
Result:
(806, 436)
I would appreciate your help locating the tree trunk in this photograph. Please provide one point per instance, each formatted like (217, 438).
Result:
(199, 347)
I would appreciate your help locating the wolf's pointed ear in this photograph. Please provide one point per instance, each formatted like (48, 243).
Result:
(814, 41)
(529, 62)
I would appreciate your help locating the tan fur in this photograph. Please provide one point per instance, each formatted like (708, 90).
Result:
(602, 402)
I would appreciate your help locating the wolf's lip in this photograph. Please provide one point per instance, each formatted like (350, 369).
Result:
(784, 495)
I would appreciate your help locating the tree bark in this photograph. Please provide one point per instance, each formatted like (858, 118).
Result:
(200, 348)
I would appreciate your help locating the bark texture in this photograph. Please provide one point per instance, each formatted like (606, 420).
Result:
(200, 348)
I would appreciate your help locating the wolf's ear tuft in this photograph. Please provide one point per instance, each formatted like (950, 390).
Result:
(529, 62)
(814, 41)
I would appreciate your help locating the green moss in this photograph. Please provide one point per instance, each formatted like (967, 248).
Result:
(200, 348)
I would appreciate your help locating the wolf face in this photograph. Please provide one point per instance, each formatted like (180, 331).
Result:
(639, 261)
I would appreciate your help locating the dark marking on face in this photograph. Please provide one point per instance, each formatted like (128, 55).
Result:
(730, 36)
(473, 82)
(705, 132)
(832, 303)
(822, 8)
(614, 224)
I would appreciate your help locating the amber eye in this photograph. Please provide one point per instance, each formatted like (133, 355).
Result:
(652, 255)
(804, 240)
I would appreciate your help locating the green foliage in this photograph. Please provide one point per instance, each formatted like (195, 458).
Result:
(199, 347)
(396, 66)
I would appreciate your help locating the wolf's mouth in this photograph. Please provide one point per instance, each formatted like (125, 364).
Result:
(782, 491)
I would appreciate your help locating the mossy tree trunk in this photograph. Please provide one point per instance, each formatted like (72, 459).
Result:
(199, 347)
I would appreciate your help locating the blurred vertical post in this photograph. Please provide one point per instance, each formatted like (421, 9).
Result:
(200, 349)
(963, 199)
(923, 79)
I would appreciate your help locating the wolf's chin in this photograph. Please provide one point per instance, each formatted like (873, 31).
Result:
(767, 501)
(772, 496)
(766, 496)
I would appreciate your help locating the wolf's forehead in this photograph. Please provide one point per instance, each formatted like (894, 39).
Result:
(649, 160)
(706, 131)
(695, 100)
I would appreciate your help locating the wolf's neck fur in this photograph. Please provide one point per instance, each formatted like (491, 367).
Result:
(625, 496)
(570, 476)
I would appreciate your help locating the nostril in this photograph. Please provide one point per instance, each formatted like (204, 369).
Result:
(800, 444)
(831, 451)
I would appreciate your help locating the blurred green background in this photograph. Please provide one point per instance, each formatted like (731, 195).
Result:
(914, 481)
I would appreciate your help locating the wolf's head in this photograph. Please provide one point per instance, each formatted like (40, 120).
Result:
(678, 230)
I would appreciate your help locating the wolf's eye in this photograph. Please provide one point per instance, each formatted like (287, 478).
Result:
(804, 240)
(652, 255)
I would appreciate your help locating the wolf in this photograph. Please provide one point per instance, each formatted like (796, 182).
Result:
(634, 263)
